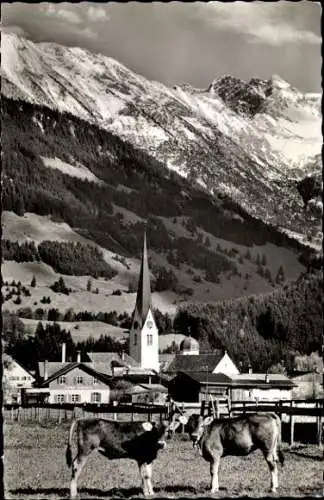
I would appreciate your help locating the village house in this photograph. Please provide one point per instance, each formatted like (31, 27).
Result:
(15, 378)
(261, 387)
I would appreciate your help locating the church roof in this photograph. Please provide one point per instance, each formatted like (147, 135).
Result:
(189, 344)
(143, 299)
(195, 363)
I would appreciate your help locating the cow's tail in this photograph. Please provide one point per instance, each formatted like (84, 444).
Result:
(281, 455)
(68, 453)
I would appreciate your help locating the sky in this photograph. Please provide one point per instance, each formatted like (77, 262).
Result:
(177, 42)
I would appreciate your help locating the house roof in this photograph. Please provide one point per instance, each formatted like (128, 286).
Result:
(165, 360)
(86, 367)
(154, 387)
(204, 378)
(52, 367)
(195, 363)
(103, 362)
(259, 380)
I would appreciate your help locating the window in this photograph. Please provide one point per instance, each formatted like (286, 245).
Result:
(23, 378)
(95, 397)
(75, 398)
(79, 380)
(61, 380)
(95, 380)
(60, 398)
(149, 339)
(135, 339)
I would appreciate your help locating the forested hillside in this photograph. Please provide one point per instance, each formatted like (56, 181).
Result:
(121, 177)
(261, 330)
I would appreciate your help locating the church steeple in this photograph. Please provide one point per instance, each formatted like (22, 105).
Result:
(143, 336)
(143, 299)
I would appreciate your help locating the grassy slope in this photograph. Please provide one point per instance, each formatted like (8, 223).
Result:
(38, 228)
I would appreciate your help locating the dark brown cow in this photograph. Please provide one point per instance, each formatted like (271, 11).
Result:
(140, 441)
(216, 438)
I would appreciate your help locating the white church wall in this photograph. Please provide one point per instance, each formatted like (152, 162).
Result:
(226, 366)
(150, 343)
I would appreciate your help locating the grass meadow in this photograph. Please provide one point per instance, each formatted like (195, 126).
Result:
(35, 468)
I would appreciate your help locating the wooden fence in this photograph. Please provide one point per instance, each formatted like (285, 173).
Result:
(66, 412)
(288, 411)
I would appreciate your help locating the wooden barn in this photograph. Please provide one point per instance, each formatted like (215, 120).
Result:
(196, 386)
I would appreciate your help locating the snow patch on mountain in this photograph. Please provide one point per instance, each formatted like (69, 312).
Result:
(78, 170)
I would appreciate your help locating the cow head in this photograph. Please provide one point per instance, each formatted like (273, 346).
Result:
(163, 433)
(196, 426)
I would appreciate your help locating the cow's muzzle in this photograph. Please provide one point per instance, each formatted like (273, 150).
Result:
(162, 443)
(196, 443)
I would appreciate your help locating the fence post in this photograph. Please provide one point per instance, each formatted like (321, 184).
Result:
(319, 424)
(182, 425)
(217, 404)
(292, 425)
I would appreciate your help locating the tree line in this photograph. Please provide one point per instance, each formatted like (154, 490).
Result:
(71, 258)
(260, 330)
(46, 343)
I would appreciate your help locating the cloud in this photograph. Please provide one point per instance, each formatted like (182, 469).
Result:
(17, 30)
(262, 22)
(281, 34)
(88, 33)
(97, 14)
(62, 13)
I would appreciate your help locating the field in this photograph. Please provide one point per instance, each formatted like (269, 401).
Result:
(35, 468)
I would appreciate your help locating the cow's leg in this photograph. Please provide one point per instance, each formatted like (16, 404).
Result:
(77, 466)
(146, 477)
(214, 466)
(273, 467)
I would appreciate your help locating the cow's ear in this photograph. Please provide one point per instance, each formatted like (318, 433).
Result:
(183, 420)
(147, 426)
(208, 420)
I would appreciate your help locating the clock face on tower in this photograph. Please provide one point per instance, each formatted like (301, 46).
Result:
(149, 324)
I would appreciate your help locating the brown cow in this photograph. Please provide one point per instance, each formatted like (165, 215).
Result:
(140, 441)
(237, 436)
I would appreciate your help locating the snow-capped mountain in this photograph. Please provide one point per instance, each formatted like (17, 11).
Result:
(250, 140)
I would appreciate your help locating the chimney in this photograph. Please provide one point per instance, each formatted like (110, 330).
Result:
(78, 356)
(45, 370)
(122, 355)
(63, 352)
(250, 369)
(267, 379)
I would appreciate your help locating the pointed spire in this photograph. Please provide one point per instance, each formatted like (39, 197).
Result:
(143, 299)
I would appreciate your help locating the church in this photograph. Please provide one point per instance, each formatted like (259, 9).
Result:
(144, 335)
(144, 339)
